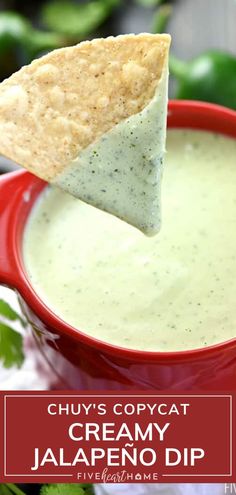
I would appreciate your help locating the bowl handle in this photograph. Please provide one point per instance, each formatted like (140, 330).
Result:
(10, 188)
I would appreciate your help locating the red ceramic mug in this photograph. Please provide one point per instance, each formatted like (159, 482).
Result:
(78, 360)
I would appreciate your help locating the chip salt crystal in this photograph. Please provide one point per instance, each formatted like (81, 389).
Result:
(92, 119)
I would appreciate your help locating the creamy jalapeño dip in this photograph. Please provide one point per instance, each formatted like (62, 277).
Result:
(122, 171)
(171, 292)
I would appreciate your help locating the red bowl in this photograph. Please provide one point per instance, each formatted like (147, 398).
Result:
(79, 360)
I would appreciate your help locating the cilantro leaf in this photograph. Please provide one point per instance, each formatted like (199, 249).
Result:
(10, 314)
(67, 489)
(11, 347)
(76, 20)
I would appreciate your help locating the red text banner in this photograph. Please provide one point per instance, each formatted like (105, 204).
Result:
(108, 437)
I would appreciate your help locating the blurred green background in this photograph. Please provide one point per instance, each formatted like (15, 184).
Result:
(203, 52)
(30, 28)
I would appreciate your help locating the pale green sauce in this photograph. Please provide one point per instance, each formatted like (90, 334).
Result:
(121, 173)
(171, 292)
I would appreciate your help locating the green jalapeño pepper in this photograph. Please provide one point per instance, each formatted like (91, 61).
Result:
(209, 77)
(13, 29)
(16, 30)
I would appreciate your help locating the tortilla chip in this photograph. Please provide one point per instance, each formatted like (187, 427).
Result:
(55, 107)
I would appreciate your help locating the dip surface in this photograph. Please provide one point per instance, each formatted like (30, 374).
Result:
(171, 292)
